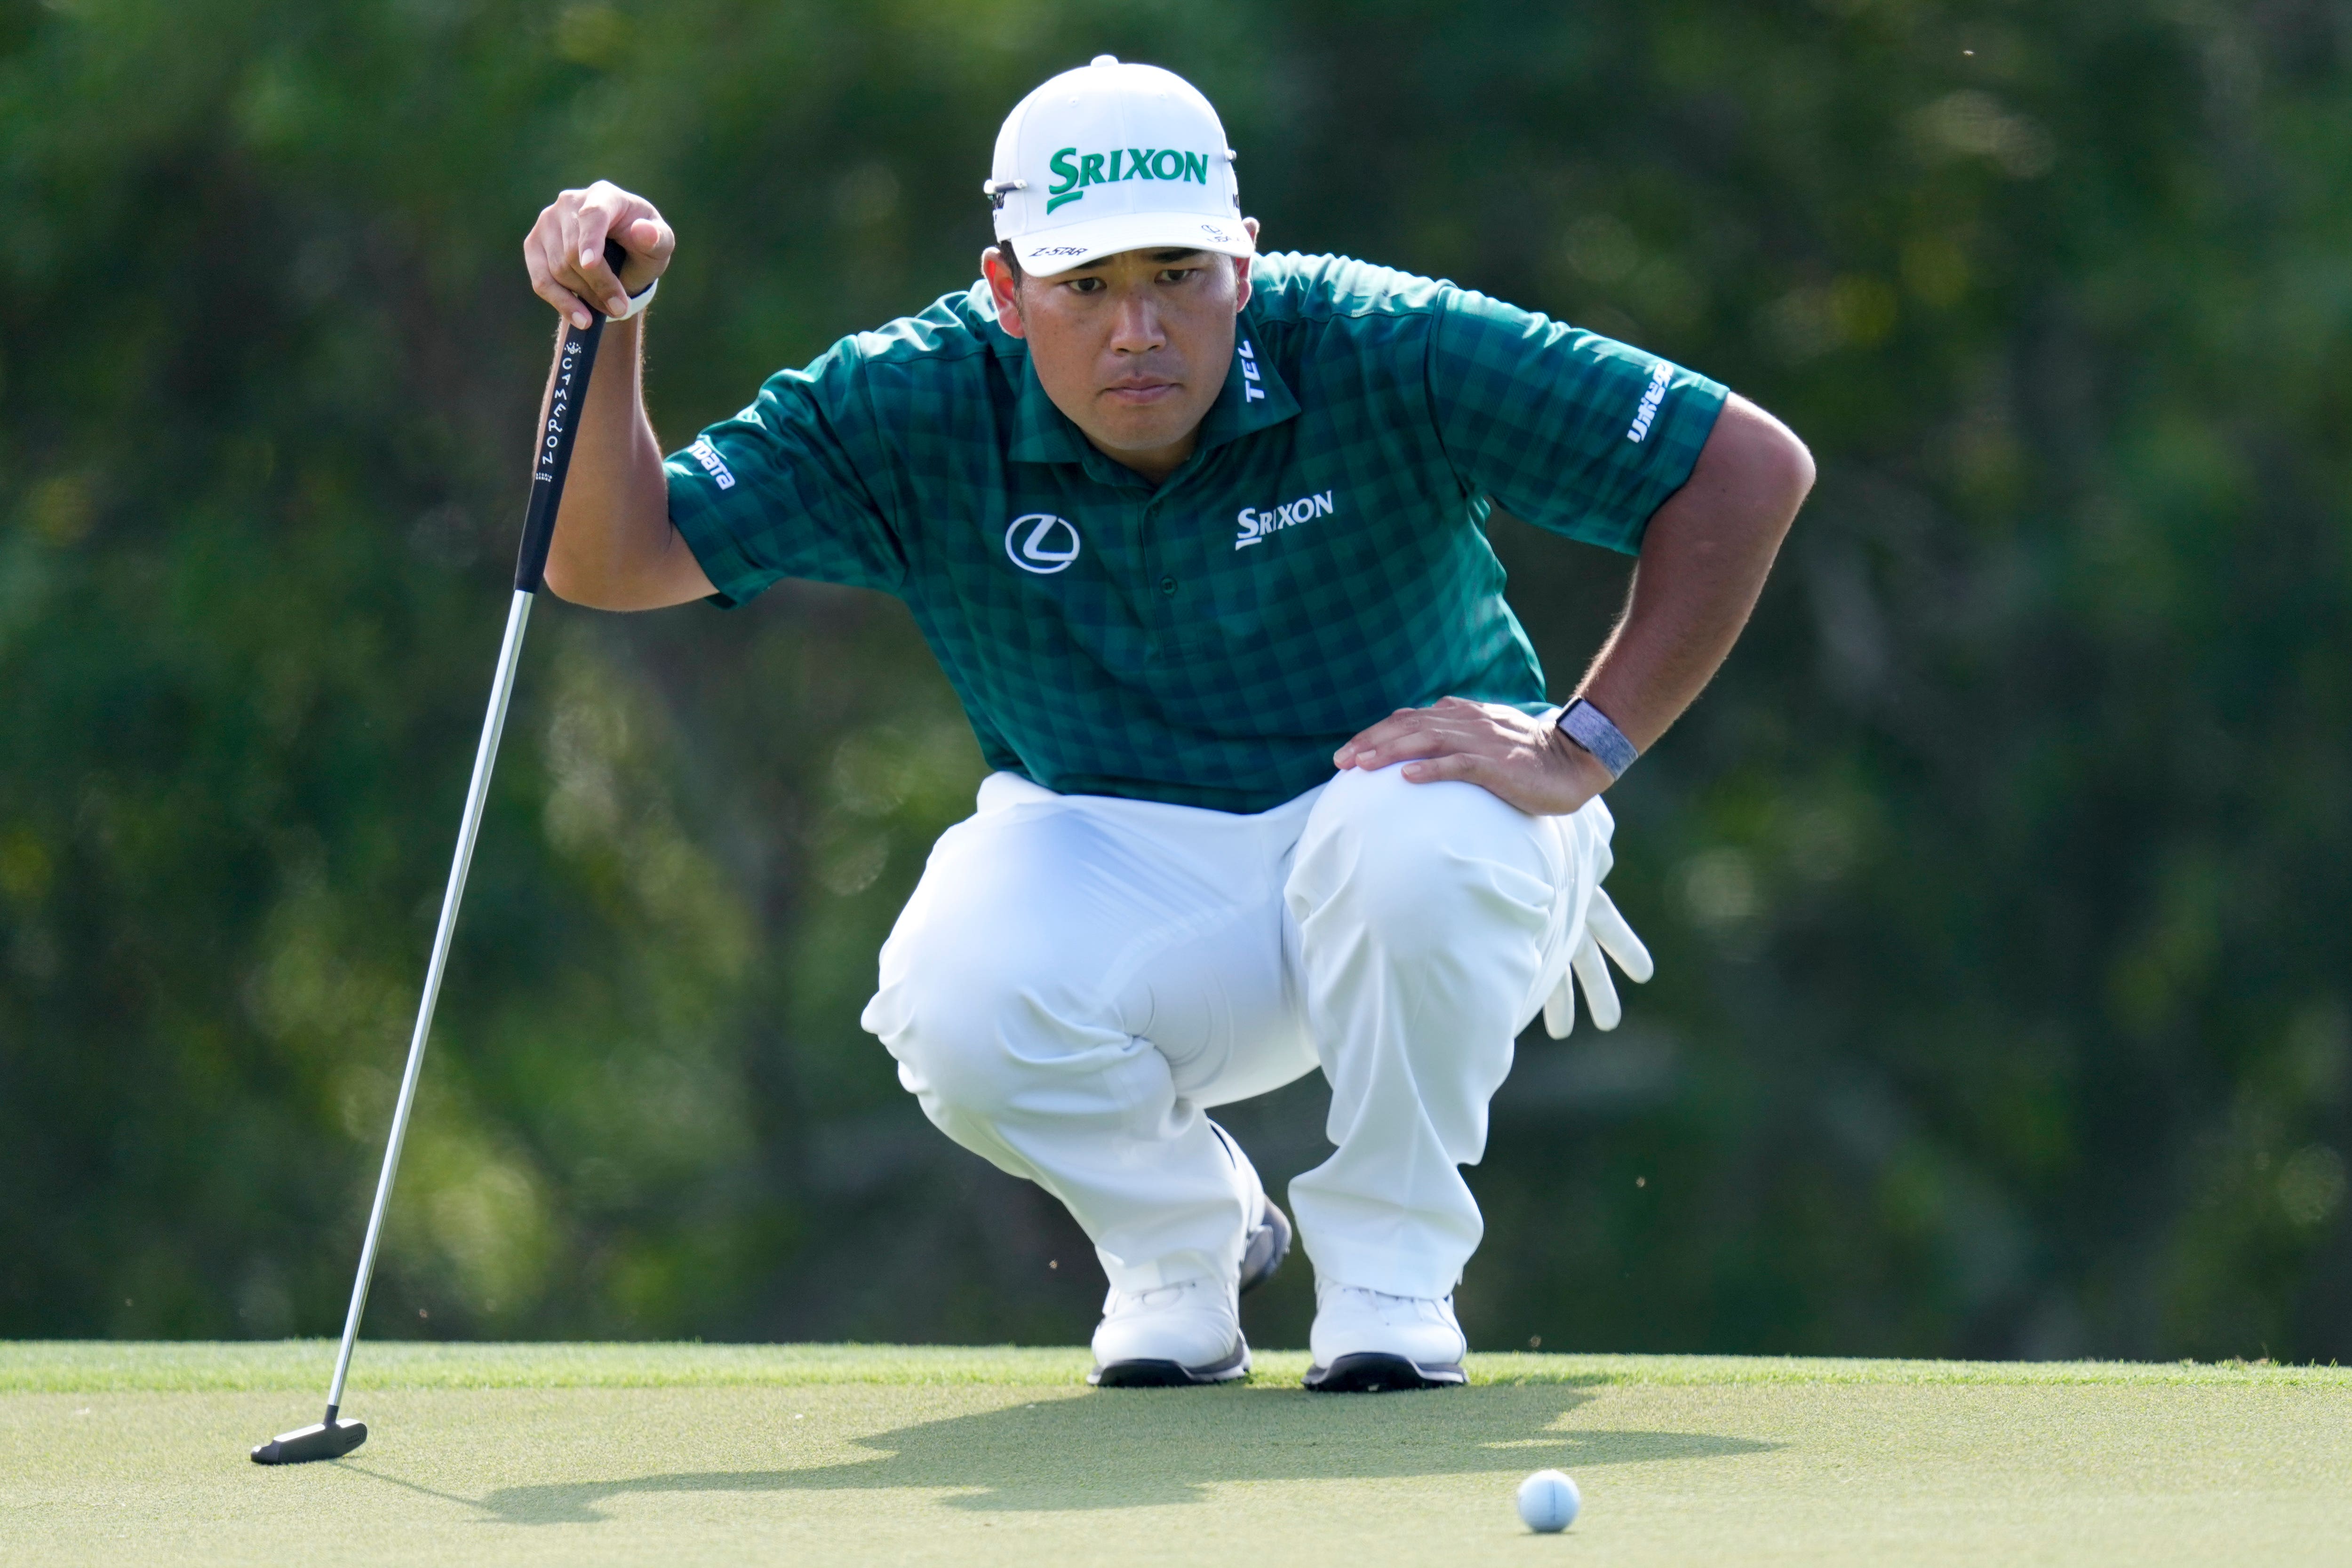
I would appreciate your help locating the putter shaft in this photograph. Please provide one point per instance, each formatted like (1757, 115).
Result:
(331, 1438)
(469, 828)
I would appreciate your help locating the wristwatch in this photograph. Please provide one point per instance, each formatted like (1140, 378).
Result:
(1591, 729)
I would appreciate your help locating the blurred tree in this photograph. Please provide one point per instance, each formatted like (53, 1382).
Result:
(1999, 886)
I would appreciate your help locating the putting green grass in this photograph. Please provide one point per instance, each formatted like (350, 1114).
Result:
(678, 1454)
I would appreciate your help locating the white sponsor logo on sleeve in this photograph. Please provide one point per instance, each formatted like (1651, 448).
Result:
(702, 452)
(1655, 394)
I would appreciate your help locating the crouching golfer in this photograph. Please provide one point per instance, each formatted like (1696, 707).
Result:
(1195, 534)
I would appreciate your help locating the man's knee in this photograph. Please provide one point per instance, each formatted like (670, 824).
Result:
(1421, 865)
(981, 1028)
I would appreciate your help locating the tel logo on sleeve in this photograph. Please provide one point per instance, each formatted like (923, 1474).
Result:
(1041, 542)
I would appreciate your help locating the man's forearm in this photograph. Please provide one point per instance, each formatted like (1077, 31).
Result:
(1704, 560)
(614, 547)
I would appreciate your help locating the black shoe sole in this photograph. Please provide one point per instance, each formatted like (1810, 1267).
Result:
(1268, 1246)
(1369, 1371)
(1170, 1374)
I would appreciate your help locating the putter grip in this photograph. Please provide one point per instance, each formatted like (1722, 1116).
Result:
(573, 360)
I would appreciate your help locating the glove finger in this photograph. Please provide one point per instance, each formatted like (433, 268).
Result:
(1616, 938)
(1600, 995)
(1559, 1009)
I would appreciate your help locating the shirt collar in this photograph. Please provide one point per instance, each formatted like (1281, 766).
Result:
(1253, 397)
(1041, 433)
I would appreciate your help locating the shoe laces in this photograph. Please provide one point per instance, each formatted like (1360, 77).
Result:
(1382, 1303)
(1154, 1300)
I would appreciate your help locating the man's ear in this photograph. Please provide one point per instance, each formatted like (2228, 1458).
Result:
(1003, 289)
(1241, 270)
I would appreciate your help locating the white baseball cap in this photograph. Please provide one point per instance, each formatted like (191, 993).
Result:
(1113, 157)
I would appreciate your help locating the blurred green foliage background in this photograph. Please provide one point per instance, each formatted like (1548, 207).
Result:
(1999, 886)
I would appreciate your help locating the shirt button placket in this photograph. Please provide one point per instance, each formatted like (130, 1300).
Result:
(1147, 518)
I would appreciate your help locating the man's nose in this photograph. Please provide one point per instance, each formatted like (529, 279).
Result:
(1134, 328)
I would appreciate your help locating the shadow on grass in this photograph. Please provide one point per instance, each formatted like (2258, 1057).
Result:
(1146, 1447)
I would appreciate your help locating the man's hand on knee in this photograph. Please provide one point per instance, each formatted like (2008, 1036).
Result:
(1518, 756)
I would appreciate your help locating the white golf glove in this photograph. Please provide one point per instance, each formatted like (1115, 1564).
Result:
(1605, 930)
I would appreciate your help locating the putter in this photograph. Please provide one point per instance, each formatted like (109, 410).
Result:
(332, 1437)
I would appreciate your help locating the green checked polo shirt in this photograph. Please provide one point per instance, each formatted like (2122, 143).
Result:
(1317, 563)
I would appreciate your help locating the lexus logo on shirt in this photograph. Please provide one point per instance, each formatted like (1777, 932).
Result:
(1042, 542)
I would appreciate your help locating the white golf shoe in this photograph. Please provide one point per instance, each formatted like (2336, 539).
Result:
(1365, 1342)
(1170, 1337)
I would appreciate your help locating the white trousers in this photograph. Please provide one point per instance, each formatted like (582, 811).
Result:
(1077, 979)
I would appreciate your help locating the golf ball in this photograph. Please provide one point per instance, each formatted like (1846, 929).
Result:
(1549, 1501)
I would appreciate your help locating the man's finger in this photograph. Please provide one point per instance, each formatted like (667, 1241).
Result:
(598, 218)
(542, 282)
(563, 246)
(1467, 766)
(651, 238)
(584, 233)
(1453, 722)
(567, 304)
(1372, 735)
(1389, 738)
(1428, 741)
(1415, 747)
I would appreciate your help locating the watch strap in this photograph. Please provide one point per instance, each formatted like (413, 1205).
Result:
(1591, 729)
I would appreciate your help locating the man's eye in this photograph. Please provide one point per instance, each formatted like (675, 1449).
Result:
(1177, 274)
(1087, 284)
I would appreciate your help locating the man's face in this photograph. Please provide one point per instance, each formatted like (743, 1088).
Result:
(1134, 348)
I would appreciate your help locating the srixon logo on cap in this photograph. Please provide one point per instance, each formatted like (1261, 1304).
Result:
(1076, 170)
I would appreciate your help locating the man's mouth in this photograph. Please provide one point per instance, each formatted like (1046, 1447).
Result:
(1138, 391)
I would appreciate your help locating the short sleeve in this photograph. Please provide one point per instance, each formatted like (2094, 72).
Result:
(1575, 433)
(779, 489)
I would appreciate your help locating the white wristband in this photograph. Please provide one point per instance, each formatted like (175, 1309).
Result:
(637, 303)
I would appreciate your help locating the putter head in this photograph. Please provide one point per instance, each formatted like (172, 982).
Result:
(323, 1441)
